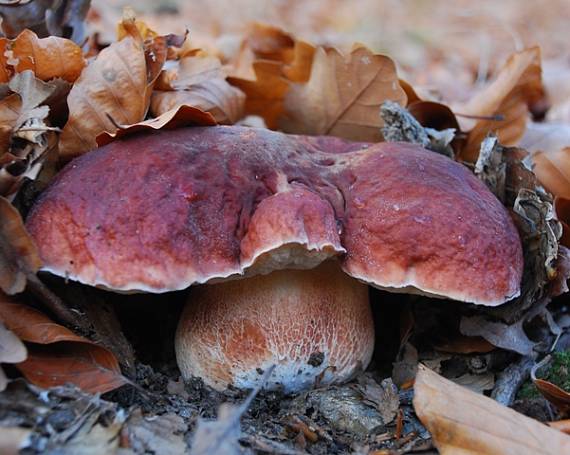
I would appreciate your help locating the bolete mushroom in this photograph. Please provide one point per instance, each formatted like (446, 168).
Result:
(166, 211)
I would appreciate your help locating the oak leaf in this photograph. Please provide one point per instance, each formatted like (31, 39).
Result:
(343, 96)
(199, 82)
(461, 421)
(517, 85)
(19, 256)
(268, 60)
(56, 355)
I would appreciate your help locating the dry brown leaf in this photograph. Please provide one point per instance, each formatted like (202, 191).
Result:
(57, 355)
(13, 440)
(5, 74)
(10, 109)
(270, 42)
(557, 396)
(461, 344)
(343, 96)
(562, 210)
(176, 118)
(299, 69)
(553, 171)
(113, 90)
(264, 95)
(561, 425)
(463, 422)
(517, 85)
(553, 393)
(48, 58)
(12, 350)
(18, 253)
(24, 135)
(546, 137)
(200, 83)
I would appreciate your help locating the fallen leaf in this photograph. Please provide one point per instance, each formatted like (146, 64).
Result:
(478, 383)
(264, 95)
(299, 69)
(114, 89)
(562, 210)
(222, 435)
(517, 85)
(10, 109)
(510, 337)
(14, 439)
(56, 355)
(200, 83)
(383, 397)
(343, 95)
(462, 344)
(553, 393)
(546, 137)
(12, 350)
(561, 425)
(463, 422)
(18, 253)
(24, 134)
(175, 118)
(156, 434)
(553, 171)
(5, 73)
(48, 58)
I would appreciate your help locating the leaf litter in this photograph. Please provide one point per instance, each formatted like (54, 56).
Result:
(145, 81)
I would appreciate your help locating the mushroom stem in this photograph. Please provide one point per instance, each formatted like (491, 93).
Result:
(315, 325)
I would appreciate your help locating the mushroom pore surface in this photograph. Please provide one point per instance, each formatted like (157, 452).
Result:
(313, 325)
(163, 211)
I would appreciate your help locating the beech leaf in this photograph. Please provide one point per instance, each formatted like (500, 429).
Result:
(112, 86)
(49, 58)
(343, 96)
(57, 355)
(462, 421)
(113, 90)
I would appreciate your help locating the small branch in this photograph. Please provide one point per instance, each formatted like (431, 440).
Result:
(53, 303)
(511, 379)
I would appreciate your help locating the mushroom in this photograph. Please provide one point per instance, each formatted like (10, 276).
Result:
(281, 233)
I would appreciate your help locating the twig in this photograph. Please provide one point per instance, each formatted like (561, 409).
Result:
(511, 379)
(53, 303)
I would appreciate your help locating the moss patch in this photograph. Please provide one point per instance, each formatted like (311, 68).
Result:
(558, 373)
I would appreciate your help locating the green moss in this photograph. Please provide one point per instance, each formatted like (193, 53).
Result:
(558, 373)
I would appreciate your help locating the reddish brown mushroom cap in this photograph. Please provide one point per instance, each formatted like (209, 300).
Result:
(165, 211)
